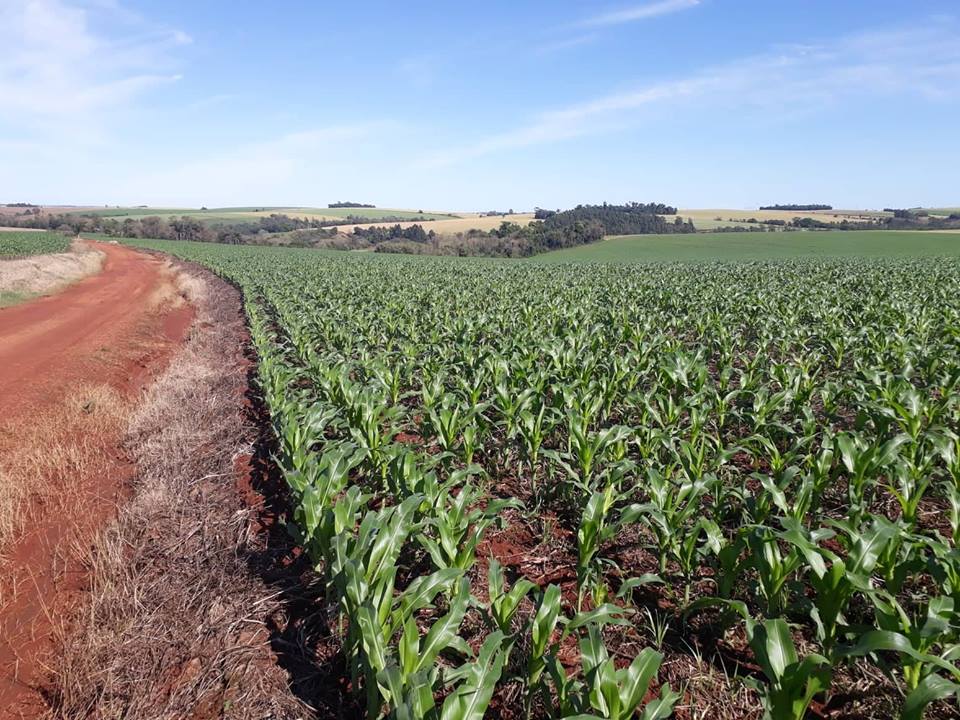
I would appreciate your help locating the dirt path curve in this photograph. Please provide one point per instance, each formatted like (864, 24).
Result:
(113, 331)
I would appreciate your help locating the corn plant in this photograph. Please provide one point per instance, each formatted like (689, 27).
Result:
(618, 694)
(458, 525)
(792, 682)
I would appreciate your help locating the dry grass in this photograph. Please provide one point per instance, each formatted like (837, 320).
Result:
(42, 462)
(175, 624)
(453, 225)
(23, 278)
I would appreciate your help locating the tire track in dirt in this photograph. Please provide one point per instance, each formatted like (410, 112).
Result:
(115, 331)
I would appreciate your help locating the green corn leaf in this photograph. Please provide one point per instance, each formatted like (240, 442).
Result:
(885, 640)
(545, 620)
(441, 634)
(868, 546)
(593, 653)
(421, 592)
(637, 678)
(633, 583)
(774, 646)
(603, 615)
(372, 639)
(662, 707)
(930, 689)
(470, 699)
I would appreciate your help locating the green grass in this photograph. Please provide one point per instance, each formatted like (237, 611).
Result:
(18, 244)
(761, 246)
(9, 298)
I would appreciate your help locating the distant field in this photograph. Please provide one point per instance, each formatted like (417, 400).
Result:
(706, 218)
(17, 244)
(455, 224)
(372, 213)
(241, 214)
(760, 246)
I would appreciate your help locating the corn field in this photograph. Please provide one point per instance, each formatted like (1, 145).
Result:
(577, 491)
(17, 244)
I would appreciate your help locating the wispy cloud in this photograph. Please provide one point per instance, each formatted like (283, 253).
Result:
(59, 75)
(922, 62)
(309, 163)
(589, 30)
(638, 12)
(566, 44)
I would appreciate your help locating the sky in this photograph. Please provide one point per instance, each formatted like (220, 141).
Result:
(480, 106)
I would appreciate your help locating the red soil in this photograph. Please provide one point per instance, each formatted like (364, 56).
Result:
(116, 328)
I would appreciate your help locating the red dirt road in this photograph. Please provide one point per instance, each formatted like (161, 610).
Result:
(55, 341)
(116, 330)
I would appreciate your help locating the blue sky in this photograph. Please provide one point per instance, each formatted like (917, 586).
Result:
(471, 106)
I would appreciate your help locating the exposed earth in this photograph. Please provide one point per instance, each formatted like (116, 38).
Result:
(77, 361)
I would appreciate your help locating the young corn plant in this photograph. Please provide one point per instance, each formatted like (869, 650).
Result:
(373, 427)
(925, 640)
(595, 528)
(565, 693)
(458, 525)
(615, 694)
(792, 682)
(402, 675)
(834, 586)
(673, 515)
(865, 459)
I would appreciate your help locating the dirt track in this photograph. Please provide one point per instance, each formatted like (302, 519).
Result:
(113, 331)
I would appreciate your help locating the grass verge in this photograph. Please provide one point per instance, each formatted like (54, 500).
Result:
(176, 623)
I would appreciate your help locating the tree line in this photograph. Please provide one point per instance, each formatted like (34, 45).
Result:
(187, 227)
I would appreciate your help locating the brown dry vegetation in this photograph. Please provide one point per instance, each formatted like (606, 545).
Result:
(23, 278)
(175, 626)
(59, 445)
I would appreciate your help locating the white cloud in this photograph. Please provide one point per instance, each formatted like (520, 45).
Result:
(59, 77)
(638, 12)
(923, 61)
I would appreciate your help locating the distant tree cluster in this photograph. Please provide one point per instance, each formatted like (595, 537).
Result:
(554, 230)
(380, 233)
(21, 205)
(814, 224)
(347, 204)
(631, 219)
(902, 213)
(797, 208)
